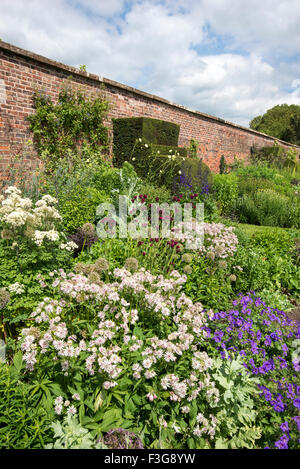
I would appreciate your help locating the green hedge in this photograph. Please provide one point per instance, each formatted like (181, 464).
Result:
(168, 149)
(153, 131)
(171, 170)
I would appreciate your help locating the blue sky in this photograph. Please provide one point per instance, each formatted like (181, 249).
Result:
(230, 58)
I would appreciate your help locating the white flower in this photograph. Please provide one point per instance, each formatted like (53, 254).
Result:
(58, 409)
(151, 396)
(59, 400)
(17, 288)
(69, 246)
(71, 410)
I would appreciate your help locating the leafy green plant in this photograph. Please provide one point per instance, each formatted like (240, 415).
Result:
(32, 244)
(267, 207)
(222, 165)
(75, 123)
(225, 188)
(71, 435)
(236, 408)
(23, 422)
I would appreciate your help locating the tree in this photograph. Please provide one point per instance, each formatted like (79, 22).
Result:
(281, 121)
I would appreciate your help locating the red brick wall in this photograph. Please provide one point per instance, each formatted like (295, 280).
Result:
(21, 71)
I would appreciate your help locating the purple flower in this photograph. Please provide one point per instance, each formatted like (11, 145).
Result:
(278, 405)
(285, 349)
(296, 366)
(284, 427)
(282, 443)
(296, 403)
(268, 340)
(297, 420)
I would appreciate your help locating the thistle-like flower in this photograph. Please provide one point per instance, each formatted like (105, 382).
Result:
(188, 269)
(101, 265)
(131, 264)
(187, 258)
(4, 297)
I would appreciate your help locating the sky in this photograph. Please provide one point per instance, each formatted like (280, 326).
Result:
(233, 59)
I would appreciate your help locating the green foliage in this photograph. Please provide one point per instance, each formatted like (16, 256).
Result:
(71, 435)
(79, 205)
(280, 121)
(225, 188)
(156, 194)
(75, 123)
(170, 170)
(276, 156)
(117, 181)
(276, 300)
(81, 186)
(193, 148)
(222, 165)
(127, 130)
(236, 408)
(267, 207)
(24, 423)
(209, 284)
(23, 265)
(268, 261)
(292, 132)
(252, 185)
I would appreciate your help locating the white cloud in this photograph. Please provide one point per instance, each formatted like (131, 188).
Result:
(166, 47)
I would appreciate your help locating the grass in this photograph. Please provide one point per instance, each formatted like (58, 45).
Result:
(251, 230)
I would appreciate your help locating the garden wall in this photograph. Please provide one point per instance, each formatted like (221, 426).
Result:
(22, 71)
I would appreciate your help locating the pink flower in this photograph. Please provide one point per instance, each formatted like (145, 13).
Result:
(151, 396)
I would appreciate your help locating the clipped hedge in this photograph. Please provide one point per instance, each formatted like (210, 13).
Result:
(168, 149)
(172, 170)
(153, 131)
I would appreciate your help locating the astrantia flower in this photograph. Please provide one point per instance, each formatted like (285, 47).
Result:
(71, 410)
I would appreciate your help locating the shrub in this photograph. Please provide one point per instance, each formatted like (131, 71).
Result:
(32, 243)
(75, 123)
(252, 185)
(225, 188)
(269, 208)
(127, 130)
(78, 206)
(222, 165)
(118, 181)
(24, 420)
(171, 170)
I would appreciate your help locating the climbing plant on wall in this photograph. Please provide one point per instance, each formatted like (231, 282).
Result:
(73, 125)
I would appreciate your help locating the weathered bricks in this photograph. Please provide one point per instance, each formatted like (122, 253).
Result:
(21, 72)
